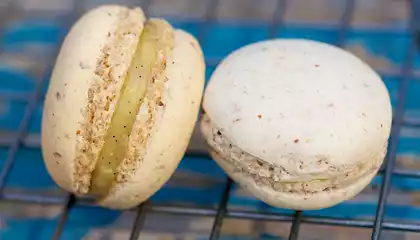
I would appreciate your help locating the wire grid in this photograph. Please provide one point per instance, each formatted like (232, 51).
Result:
(222, 212)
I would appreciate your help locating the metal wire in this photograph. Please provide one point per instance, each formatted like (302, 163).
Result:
(210, 18)
(344, 28)
(4, 16)
(71, 199)
(139, 220)
(236, 214)
(278, 18)
(69, 203)
(396, 128)
(24, 124)
(345, 22)
(23, 128)
(222, 211)
(294, 230)
(141, 210)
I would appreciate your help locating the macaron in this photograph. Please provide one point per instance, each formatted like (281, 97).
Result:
(298, 123)
(121, 105)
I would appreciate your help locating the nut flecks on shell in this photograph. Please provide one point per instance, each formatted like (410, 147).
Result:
(305, 113)
(287, 180)
(88, 76)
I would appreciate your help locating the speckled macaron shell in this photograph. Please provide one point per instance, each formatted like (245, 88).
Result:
(117, 29)
(310, 109)
(73, 74)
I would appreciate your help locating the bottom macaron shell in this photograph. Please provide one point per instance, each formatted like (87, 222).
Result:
(294, 201)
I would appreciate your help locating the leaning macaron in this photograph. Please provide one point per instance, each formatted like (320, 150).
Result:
(299, 123)
(121, 105)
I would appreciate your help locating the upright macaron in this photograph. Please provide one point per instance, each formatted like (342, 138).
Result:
(299, 123)
(121, 105)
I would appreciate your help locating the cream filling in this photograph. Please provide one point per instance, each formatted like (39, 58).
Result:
(110, 71)
(277, 177)
(108, 149)
(152, 48)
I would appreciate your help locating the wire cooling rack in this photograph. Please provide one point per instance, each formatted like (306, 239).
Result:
(20, 137)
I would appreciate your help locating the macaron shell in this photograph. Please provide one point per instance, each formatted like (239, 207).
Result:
(294, 102)
(72, 76)
(171, 135)
(296, 201)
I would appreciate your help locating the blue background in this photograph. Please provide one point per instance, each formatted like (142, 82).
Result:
(222, 38)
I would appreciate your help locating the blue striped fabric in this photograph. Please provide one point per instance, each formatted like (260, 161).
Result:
(30, 173)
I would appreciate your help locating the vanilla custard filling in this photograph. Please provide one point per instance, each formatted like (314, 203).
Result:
(153, 46)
